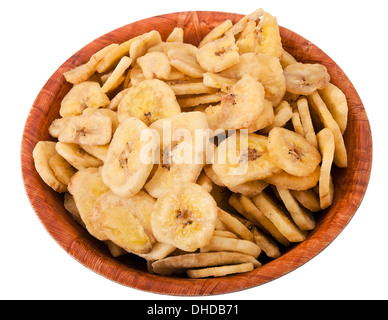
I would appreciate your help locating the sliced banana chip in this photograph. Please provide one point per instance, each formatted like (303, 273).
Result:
(340, 153)
(112, 82)
(302, 218)
(266, 243)
(87, 94)
(292, 152)
(308, 199)
(246, 160)
(196, 100)
(184, 216)
(266, 69)
(307, 122)
(337, 104)
(214, 80)
(77, 156)
(326, 147)
(189, 86)
(216, 32)
(85, 187)
(240, 25)
(205, 182)
(141, 44)
(289, 181)
(92, 129)
(127, 166)
(180, 263)
(287, 59)
(155, 65)
(176, 35)
(239, 108)
(279, 218)
(41, 154)
(234, 225)
(185, 62)
(219, 54)
(297, 123)
(250, 188)
(181, 151)
(282, 114)
(305, 78)
(119, 220)
(235, 245)
(159, 251)
(149, 100)
(249, 210)
(61, 168)
(265, 118)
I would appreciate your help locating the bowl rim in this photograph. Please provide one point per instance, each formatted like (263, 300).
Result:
(52, 218)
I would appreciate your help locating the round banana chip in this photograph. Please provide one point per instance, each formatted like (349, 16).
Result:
(292, 152)
(239, 108)
(305, 78)
(42, 153)
(220, 271)
(124, 221)
(245, 159)
(149, 100)
(266, 69)
(235, 245)
(84, 95)
(184, 216)
(127, 166)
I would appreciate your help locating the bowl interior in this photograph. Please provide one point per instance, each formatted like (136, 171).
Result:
(130, 270)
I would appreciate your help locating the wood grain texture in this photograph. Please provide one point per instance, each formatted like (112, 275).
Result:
(350, 183)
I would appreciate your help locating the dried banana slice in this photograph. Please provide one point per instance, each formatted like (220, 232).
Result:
(181, 160)
(61, 168)
(240, 25)
(266, 69)
(337, 104)
(126, 167)
(194, 101)
(265, 118)
(214, 80)
(115, 78)
(189, 86)
(98, 152)
(93, 129)
(305, 78)
(155, 65)
(121, 221)
(85, 187)
(239, 108)
(219, 54)
(105, 112)
(308, 199)
(185, 62)
(85, 71)
(149, 100)
(326, 147)
(278, 217)
(181, 263)
(289, 181)
(41, 154)
(87, 94)
(307, 122)
(234, 225)
(240, 159)
(184, 216)
(302, 218)
(282, 114)
(216, 33)
(263, 38)
(141, 44)
(218, 243)
(77, 156)
(250, 188)
(292, 152)
(176, 35)
(318, 105)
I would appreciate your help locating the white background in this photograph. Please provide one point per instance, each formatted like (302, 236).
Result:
(38, 36)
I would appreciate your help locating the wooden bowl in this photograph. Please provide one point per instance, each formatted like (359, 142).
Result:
(130, 270)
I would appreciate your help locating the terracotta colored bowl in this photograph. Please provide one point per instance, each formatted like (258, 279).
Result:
(130, 270)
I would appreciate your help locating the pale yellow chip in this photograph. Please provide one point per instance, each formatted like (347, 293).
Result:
(181, 263)
(194, 101)
(192, 86)
(282, 114)
(234, 225)
(267, 244)
(340, 153)
(307, 123)
(216, 32)
(117, 74)
(176, 35)
(308, 199)
(220, 271)
(61, 168)
(326, 147)
(279, 218)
